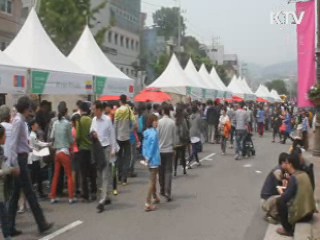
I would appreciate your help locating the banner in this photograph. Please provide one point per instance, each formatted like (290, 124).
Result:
(43, 82)
(306, 51)
(13, 80)
(113, 87)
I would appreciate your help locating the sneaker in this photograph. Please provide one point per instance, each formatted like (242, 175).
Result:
(54, 201)
(124, 184)
(156, 200)
(271, 220)
(100, 208)
(72, 201)
(16, 233)
(21, 211)
(237, 157)
(115, 192)
(149, 207)
(107, 202)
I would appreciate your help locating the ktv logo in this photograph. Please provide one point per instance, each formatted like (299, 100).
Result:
(286, 18)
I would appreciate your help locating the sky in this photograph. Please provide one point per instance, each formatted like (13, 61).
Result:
(243, 27)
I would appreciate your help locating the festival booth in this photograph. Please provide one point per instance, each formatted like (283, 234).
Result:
(263, 93)
(108, 79)
(12, 77)
(174, 80)
(212, 90)
(49, 71)
(214, 75)
(249, 95)
(236, 89)
(152, 95)
(276, 96)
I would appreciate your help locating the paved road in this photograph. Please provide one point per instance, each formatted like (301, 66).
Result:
(217, 201)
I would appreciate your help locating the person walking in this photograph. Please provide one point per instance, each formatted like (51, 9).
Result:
(151, 153)
(124, 121)
(167, 134)
(241, 121)
(62, 141)
(211, 116)
(261, 118)
(103, 131)
(19, 157)
(87, 167)
(276, 124)
(225, 129)
(182, 139)
(231, 114)
(195, 135)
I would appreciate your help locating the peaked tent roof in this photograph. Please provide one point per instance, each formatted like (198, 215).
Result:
(209, 81)
(217, 79)
(263, 92)
(32, 48)
(6, 61)
(88, 55)
(193, 74)
(276, 95)
(235, 88)
(245, 84)
(173, 79)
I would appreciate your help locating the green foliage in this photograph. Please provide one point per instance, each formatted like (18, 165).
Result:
(221, 70)
(278, 85)
(167, 21)
(64, 21)
(161, 64)
(314, 92)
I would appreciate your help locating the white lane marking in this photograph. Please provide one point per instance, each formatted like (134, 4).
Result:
(259, 172)
(207, 158)
(247, 165)
(62, 230)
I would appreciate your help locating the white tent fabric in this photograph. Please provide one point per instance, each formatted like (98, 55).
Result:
(263, 92)
(51, 71)
(12, 77)
(236, 88)
(109, 80)
(276, 95)
(175, 80)
(249, 94)
(216, 78)
(212, 85)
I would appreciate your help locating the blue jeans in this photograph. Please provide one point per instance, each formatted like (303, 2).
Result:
(240, 136)
(4, 219)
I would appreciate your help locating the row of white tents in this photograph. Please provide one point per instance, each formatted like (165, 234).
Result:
(33, 64)
(202, 85)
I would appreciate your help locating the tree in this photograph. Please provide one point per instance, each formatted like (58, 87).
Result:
(278, 85)
(222, 74)
(64, 21)
(161, 64)
(166, 19)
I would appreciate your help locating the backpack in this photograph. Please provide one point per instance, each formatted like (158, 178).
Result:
(183, 132)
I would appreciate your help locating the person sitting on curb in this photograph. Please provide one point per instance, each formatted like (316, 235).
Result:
(269, 193)
(297, 203)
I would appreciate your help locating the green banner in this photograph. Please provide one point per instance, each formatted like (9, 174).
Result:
(100, 84)
(39, 80)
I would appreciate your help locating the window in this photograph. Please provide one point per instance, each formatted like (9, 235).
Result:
(127, 71)
(121, 41)
(116, 38)
(133, 73)
(121, 69)
(6, 6)
(110, 37)
(132, 44)
(137, 46)
(127, 42)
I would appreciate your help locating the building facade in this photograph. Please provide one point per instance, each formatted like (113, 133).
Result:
(122, 41)
(10, 21)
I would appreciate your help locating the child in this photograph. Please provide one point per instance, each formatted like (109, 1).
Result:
(4, 170)
(151, 153)
(35, 161)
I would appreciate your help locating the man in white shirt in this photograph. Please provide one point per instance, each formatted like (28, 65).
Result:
(103, 130)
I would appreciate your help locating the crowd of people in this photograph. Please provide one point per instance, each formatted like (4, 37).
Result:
(97, 145)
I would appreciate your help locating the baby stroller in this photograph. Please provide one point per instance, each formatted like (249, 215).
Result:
(248, 147)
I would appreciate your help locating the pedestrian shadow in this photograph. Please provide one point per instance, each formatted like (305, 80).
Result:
(140, 182)
(121, 206)
(185, 196)
(169, 206)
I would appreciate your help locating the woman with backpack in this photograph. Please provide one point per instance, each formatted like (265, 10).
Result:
(182, 140)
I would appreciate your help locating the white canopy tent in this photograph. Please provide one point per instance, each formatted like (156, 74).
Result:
(12, 77)
(51, 72)
(175, 80)
(263, 92)
(216, 78)
(249, 93)
(213, 90)
(276, 95)
(108, 80)
(235, 88)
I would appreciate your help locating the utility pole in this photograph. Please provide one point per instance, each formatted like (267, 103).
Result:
(316, 147)
(179, 29)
